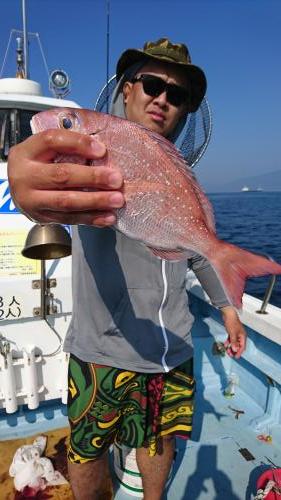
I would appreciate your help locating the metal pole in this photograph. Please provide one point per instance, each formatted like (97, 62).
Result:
(25, 41)
(107, 53)
(43, 290)
(267, 295)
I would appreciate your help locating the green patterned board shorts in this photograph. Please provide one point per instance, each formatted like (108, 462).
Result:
(107, 405)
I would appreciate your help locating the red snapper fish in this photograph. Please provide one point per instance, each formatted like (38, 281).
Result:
(165, 207)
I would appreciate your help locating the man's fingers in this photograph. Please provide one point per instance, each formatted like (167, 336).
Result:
(77, 201)
(68, 176)
(76, 207)
(95, 218)
(228, 348)
(235, 345)
(46, 145)
(241, 346)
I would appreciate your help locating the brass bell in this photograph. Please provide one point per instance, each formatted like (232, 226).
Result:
(50, 241)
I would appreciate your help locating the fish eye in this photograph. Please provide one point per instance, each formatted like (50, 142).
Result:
(66, 123)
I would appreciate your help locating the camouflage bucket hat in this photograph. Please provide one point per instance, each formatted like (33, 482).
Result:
(165, 51)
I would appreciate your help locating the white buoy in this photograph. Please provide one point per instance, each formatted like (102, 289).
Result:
(9, 383)
(31, 378)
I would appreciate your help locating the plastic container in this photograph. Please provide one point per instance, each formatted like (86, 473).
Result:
(126, 470)
(233, 382)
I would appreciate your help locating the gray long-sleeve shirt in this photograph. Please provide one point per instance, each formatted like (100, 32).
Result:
(130, 309)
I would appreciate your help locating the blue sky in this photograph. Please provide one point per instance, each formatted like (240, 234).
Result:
(236, 42)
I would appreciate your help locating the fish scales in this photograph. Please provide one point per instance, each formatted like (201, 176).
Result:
(152, 188)
(165, 208)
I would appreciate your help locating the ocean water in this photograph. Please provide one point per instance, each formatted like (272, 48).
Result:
(252, 220)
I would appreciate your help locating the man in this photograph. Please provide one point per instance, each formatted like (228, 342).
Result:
(129, 336)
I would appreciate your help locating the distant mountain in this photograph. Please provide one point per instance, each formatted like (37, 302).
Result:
(270, 181)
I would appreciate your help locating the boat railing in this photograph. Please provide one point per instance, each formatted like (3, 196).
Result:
(269, 289)
(267, 294)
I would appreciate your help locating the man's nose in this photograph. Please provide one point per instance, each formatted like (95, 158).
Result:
(161, 99)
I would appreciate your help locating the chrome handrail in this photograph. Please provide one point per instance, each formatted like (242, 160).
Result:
(269, 289)
(267, 295)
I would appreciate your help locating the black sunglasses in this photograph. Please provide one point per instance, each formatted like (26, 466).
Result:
(155, 86)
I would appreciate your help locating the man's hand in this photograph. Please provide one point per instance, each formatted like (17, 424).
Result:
(63, 192)
(236, 341)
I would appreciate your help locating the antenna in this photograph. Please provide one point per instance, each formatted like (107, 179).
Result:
(107, 49)
(25, 41)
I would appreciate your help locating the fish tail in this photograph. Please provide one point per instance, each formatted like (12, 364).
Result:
(234, 265)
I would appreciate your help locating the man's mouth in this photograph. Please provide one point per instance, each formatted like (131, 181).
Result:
(157, 117)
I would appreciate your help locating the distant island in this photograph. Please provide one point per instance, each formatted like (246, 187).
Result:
(270, 181)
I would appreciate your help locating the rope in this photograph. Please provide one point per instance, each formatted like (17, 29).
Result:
(6, 53)
(42, 54)
(35, 35)
(261, 494)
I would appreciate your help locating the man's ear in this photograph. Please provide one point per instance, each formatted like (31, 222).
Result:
(127, 87)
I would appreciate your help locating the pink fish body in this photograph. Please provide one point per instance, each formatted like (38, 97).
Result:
(165, 207)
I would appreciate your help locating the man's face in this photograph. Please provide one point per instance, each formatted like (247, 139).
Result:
(156, 113)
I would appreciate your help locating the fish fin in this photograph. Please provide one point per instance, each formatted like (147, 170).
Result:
(183, 167)
(234, 265)
(175, 255)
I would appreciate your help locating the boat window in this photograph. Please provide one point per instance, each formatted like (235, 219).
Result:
(14, 128)
(4, 125)
(25, 117)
